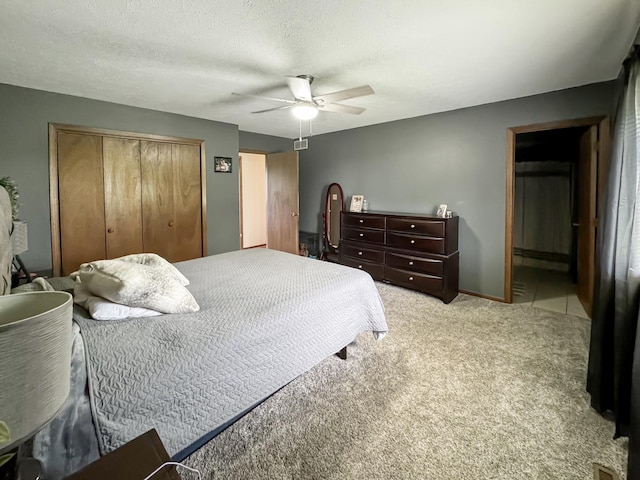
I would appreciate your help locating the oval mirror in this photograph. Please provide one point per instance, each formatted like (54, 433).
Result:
(333, 207)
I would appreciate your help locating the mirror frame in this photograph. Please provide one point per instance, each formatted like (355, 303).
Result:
(329, 247)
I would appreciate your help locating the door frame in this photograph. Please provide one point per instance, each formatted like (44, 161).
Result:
(603, 124)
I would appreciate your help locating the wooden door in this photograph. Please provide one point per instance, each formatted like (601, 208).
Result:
(122, 196)
(157, 198)
(282, 202)
(587, 187)
(171, 200)
(187, 209)
(80, 200)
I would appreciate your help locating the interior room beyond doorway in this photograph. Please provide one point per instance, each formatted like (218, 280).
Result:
(545, 223)
(253, 200)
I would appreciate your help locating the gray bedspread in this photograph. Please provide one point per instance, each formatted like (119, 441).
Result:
(265, 317)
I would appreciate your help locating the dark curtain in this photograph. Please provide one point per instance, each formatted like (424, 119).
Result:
(634, 430)
(617, 296)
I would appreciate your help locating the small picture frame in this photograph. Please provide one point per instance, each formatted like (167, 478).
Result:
(442, 211)
(356, 203)
(222, 164)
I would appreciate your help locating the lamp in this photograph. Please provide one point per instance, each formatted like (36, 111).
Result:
(19, 245)
(305, 111)
(19, 238)
(35, 361)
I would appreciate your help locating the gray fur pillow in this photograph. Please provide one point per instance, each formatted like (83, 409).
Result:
(156, 261)
(136, 285)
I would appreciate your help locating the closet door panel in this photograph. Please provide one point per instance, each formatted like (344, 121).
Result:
(158, 230)
(187, 202)
(81, 198)
(123, 196)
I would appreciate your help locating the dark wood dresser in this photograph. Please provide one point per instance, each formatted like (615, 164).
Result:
(414, 251)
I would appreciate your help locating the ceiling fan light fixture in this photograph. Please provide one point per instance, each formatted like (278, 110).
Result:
(305, 111)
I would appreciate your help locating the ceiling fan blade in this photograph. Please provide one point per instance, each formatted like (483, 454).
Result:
(273, 109)
(300, 88)
(345, 94)
(336, 107)
(263, 98)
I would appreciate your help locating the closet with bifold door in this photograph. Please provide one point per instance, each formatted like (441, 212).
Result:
(116, 193)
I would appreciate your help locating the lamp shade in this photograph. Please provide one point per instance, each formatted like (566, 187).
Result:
(19, 239)
(35, 360)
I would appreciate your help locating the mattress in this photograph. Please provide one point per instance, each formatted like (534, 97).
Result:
(265, 317)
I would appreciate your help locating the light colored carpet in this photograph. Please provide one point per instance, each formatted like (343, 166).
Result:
(471, 390)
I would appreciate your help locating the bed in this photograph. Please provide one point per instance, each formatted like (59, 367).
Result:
(265, 317)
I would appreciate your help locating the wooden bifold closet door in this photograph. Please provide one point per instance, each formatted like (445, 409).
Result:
(171, 200)
(122, 196)
(116, 193)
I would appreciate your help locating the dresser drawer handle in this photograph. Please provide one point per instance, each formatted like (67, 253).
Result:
(359, 253)
(359, 266)
(413, 241)
(410, 263)
(361, 221)
(413, 226)
(411, 279)
(362, 234)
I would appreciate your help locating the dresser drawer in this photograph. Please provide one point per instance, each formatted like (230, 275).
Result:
(362, 235)
(418, 281)
(415, 264)
(413, 242)
(376, 270)
(363, 220)
(355, 251)
(424, 227)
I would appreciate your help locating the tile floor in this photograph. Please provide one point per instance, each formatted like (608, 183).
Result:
(547, 289)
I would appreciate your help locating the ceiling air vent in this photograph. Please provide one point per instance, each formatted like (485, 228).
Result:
(301, 144)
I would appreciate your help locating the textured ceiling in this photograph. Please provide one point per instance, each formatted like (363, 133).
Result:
(420, 56)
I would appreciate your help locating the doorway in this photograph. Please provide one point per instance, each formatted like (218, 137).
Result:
(253, 200)
(554, 175)
(269, 200)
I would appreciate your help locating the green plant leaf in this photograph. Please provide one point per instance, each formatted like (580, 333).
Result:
(5, 458)
(11, 188)
(5, 433)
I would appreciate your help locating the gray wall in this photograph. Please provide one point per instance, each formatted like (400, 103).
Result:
(410, 165)
(24, 156)
(457, 158)
(264, 143)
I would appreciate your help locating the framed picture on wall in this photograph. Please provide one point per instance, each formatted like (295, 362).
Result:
(356, 203)
(222, 164)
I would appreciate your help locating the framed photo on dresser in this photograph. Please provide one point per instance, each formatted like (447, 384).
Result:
(356, 203)
(442, 211)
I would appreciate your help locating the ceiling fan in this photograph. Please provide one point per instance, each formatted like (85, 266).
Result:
(305, 106)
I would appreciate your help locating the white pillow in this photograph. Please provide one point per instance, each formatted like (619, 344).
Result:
(154, 260)
(136, 285)
(101, 309)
